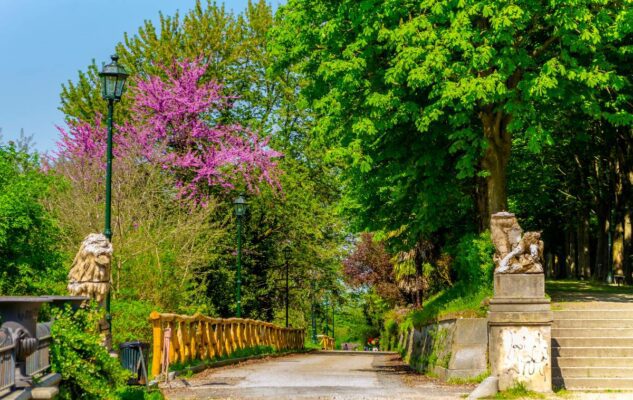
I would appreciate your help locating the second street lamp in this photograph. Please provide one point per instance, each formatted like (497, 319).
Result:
(240, 210)
(287, 251)
(113, 78)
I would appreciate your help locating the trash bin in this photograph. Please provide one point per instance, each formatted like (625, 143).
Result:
(134, 356)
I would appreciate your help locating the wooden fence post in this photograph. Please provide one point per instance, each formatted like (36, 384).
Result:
(157, 334)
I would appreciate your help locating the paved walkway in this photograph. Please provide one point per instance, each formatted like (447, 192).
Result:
(321, 375)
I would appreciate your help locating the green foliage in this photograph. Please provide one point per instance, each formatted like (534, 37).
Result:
(359, 318)
(389, 336)
(130, 321)
(458, 301)
(473, 266)
(29, 236)
(139, 393)
(473, 262)
(420, 100)
(87, 369)
(184, 260)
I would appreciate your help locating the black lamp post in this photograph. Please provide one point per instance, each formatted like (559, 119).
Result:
(333, 334)
(113, 78)
(314, 327)
(287, 251)
(240, 210)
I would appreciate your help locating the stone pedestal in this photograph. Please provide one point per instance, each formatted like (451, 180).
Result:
(519, 325)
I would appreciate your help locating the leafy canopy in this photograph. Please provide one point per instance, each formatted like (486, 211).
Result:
(414, 95)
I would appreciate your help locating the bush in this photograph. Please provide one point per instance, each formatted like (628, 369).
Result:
(474, 267)
(473, 260)
(389, 338)
(87, 370)
(29, 236)
(130, 321)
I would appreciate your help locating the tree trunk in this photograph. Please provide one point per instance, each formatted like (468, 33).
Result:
(626, 249)
(495, 161)
(584, 257)
(618, 248)
(602, 245)
(570, 254)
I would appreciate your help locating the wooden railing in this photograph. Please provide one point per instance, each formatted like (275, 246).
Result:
(327, 342)
(199, 337)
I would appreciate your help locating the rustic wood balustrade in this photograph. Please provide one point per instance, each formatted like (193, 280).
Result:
(199, 337)
(327, 342)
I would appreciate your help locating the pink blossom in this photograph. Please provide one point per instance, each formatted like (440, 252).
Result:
(171, 126)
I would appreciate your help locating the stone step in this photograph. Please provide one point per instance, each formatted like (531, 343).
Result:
(565, 362)
(593, 383)
(592, 351)
(593, 314)
(592, 332)
(608, 341)
(593, 372)
(593, 323)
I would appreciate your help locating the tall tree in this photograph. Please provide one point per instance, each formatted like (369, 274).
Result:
(477, 72)
(303, 215)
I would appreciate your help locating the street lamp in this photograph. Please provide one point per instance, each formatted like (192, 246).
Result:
(314, 328)
(287, 251)
(113, 78)
(240, 210)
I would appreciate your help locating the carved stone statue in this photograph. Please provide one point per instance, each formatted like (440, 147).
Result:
(90, 272)
(515, 253)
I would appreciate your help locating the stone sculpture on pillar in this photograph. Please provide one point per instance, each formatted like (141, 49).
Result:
(515, 253)
(520, 315)
(90, 273)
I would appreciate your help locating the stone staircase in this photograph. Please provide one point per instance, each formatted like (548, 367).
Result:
(592, 343)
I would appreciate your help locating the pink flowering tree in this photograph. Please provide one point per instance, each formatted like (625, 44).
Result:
(174, 125)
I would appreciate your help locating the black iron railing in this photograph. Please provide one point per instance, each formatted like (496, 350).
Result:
(39, 361)
(7, 362)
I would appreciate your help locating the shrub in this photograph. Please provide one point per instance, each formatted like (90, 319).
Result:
(29, 235)
(389, 338)
(473, 260)
(87, 370)
(474, 267)
(130, 321)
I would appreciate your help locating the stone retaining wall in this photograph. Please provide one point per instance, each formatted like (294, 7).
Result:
(452, 348)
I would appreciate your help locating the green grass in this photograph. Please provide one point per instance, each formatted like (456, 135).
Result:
(458, 301)
(469, 381)
(558, 286)
(518, 392)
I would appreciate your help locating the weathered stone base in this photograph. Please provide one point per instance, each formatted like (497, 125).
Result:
(519, 325)
(521, 354)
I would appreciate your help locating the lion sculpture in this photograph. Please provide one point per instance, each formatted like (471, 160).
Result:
(90, 272)
(515, 252)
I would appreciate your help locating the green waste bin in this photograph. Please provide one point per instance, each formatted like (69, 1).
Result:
(134, 356)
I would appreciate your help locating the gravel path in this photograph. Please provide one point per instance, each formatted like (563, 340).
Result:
(320, 375)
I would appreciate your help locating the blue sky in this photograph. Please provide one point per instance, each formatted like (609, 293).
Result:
(43, 43)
